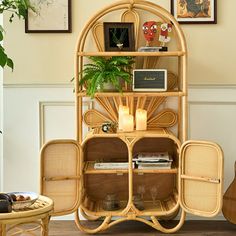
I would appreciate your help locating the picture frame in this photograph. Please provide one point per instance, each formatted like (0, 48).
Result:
(154, 80)
(49, 17)
(119, 36)
(194, 11)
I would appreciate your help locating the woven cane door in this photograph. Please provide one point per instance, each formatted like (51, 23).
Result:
(201, 178)
(60, 175)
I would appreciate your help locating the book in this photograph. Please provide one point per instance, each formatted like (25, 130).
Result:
(153, 157)
(112, 165)
(153, 167)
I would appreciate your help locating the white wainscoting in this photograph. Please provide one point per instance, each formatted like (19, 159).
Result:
(35, 114)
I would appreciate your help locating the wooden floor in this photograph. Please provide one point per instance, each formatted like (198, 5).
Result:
(132, 228)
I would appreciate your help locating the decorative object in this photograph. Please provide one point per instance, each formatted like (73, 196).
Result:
(119, 36)
(127, 123)
(123, 110)
(153, 191)
(141, 119)
(111, 202)
(105, 71)
(164, 37)
(194, 11)
(39, 213)
(109, 127)
(149, 31)
(229, 201)
(49, 17)
(149, 80)
(22, 200)
(5, 203)
(138, 202)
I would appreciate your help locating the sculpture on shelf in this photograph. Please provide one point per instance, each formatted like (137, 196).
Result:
(164, 37)
(149, 31)
(156, 32)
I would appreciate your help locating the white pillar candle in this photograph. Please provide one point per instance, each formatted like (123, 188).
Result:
(123, 110)
(141, 119)
(128, 123)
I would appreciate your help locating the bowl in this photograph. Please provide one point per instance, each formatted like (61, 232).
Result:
(19, 205)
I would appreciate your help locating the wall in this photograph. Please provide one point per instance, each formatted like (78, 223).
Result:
(39, 90)
(50, 56)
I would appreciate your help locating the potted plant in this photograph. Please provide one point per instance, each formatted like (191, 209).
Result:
(103, 71)
(18, 8)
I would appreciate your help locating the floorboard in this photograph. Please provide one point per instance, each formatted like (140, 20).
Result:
(132, 228)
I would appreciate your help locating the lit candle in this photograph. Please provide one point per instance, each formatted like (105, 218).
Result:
(128, 123)
(141, 119)
(123, 110)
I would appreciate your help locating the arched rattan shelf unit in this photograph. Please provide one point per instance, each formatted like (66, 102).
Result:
(69, 179)
(181, 53)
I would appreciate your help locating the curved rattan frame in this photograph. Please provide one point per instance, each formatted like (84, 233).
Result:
(129, 211)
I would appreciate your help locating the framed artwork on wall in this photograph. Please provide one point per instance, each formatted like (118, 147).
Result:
(194, 11)
(119, 36)
(49, 16)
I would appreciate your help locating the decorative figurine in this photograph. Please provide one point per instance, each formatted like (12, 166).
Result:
(149, 31)
(164, 36)
(152, 29)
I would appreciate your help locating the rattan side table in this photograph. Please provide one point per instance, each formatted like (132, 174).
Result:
(38, 213)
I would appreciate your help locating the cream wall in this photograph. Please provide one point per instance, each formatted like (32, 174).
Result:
(48, 58)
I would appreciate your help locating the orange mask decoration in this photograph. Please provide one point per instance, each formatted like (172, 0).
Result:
(149, 30)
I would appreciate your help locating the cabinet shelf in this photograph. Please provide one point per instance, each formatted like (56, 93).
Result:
(134, 54)
(135, 94)
(89, 169)
(159, 208)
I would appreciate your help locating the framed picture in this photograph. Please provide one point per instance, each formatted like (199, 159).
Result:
(50, 16)
(149, 80)
(194, 11)
(119, 36)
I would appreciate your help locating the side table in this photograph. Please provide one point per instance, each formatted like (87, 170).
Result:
(38, 213)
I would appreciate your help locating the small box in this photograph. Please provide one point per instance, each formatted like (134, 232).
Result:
(149, 80)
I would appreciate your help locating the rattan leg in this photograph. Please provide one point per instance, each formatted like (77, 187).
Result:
(2, 230)
(88, 217)
(45, 225)
(158, 226)
(103, 226)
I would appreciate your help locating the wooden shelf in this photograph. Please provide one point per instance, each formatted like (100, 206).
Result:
(89, 169)
(134, 54)
(173, 170)
(160, 207)
(135, 94)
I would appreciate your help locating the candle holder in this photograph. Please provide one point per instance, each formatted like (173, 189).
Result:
(123, 110)
(141, 119)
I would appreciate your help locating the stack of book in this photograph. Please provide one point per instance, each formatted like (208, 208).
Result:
(157, 160)
(111, 165)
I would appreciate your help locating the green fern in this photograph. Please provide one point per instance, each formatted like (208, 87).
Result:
(106, 70)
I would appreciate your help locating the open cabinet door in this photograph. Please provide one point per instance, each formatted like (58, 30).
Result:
(201, 178)
(60, 175)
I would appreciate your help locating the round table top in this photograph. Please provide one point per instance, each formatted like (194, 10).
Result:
(41, 206)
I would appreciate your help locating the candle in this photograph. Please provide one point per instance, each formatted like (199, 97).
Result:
(123, 110)
(128, 123)
(141, 119)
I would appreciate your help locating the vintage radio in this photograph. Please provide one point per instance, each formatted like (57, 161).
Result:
(149, 80)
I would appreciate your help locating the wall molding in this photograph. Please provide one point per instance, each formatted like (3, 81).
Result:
(71, 85)
(42, 105)
(56, 85)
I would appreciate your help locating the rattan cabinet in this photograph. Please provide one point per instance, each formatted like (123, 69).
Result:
(193, 184)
